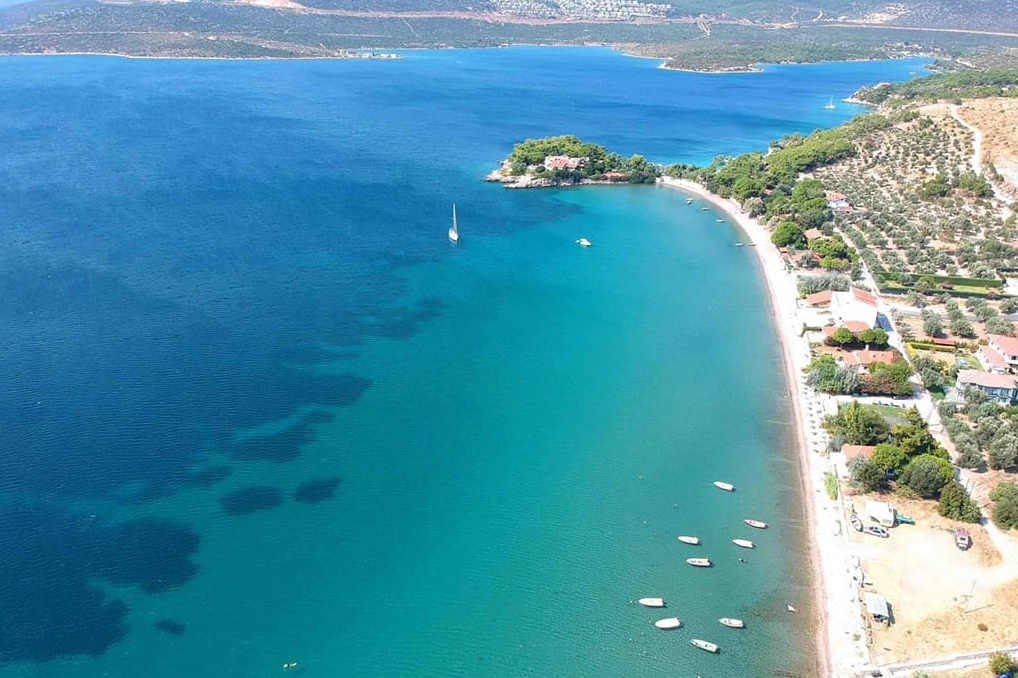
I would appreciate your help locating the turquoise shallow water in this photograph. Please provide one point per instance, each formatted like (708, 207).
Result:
(258, 410)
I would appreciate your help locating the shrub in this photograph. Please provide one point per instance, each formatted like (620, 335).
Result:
(956, 503)
(1005, 505)
(1001, 662)
(926, 475)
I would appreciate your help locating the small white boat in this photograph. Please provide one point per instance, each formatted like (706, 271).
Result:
(720, 221)
(727, 487)
(699, 562)
(652, 602)
(704, 209)
(790, 608)
(689, 540)
(689, 201)
(454, 233)
(744, 543)
(670, 623)
(704, 645)
(758, 524)
(583, 242)
(830, 105)
(732, 623)
(740, 244)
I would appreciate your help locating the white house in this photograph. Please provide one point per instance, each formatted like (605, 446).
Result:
(1001, 388)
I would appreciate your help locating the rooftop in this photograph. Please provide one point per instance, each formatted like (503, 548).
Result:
(864, 296)
(869, 357)
(987, 379)
(818, 298)
(1009, 345)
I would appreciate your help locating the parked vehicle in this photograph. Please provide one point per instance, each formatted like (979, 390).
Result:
(904, 519)
(962, 539)
(876, 531)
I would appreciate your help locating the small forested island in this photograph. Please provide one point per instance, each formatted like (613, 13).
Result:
(567, 161)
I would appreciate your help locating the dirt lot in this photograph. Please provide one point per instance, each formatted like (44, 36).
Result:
(951, 594)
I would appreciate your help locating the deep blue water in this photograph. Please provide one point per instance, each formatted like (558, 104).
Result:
(255, 409)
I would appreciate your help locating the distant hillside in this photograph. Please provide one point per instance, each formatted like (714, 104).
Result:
(731, 33)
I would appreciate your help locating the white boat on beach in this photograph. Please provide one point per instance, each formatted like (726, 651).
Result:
(454, 233)
(758, 524)
(670, 623)
(744, 543)
(699, 562)
(652, 602)
(732, 623)
(583, 242)
(704, 645)
(727, 487)
(689, 540)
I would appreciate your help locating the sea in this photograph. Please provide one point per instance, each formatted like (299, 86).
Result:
(259, 417)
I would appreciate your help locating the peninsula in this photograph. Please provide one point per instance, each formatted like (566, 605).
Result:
(567, 161)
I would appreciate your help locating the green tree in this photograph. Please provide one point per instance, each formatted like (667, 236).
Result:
(1000, 662)
(926, 475)
(788, 233)
(842, 337)
(858, 424)
(866, 475)
(875, 337)
(1008, 305)
(962, 327)
(1005, 505)
(933, 325)
(955, 503)
(1002, 450)
(888, 457)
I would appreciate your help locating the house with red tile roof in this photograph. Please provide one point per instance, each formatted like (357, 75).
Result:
(813, 234)
(1006, 346)
(853, 451)
(855, 305)
(819, 298)
(554, 162)
(1001, 388)
(992, 360)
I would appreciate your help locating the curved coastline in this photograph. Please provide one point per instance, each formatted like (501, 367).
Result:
(837, 615)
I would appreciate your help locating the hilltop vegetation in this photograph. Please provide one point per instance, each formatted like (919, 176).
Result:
(717, 34)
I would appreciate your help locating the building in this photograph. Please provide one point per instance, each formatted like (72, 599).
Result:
(1000, 353)
(819, 298)
(853, 451)
(864, 359)
(1001, 388)
(555, 162)
(857, 305)
(812, 234)
(876, 606)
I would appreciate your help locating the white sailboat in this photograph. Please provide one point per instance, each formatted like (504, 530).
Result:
(454, 233)
(830, 105)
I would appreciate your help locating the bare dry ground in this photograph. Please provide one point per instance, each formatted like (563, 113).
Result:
(997, 120)
(941, 598)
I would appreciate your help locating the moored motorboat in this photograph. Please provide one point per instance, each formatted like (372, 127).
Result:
(652, 602)
(790, 608)
(670, 623)
(689, 201)
(699, 562)
(744, 543)
(704, 645)
(689, 540)
(758, 524)
(583, 242)
(732, 623)
(454, 233)
(727, 487)
(740, 244)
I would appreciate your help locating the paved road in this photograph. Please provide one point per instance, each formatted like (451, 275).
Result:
(952, 663)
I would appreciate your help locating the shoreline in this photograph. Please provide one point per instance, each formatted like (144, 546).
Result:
(835, 604)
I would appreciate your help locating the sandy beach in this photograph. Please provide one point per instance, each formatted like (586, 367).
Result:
(841, 638)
